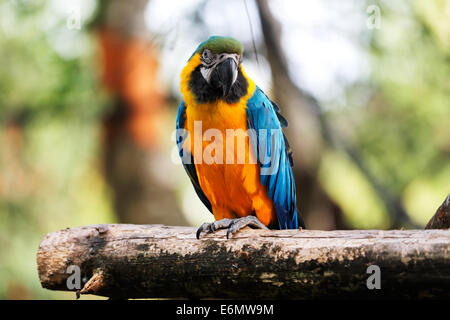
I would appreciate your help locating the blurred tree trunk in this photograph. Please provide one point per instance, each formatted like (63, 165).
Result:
(304, 132)
(312, 132)
(132, 150)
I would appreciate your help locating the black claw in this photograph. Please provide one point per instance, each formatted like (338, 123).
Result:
(200, 230)
(209, 227)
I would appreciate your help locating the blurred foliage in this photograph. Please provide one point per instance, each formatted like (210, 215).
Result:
(400, 120)
(51, 106)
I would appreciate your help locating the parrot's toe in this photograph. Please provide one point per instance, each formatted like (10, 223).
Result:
(233, 225)
(239, 223)
(212, 227)
(204, 227)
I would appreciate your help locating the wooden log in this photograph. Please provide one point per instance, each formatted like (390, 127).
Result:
(441, 219)
(156, 261)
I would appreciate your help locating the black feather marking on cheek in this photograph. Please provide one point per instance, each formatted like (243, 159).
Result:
(238, 90)
(203, 92)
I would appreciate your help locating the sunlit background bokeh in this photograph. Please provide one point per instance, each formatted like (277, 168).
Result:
(84, 142)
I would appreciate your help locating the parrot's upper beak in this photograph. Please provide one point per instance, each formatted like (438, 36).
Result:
(224, 75)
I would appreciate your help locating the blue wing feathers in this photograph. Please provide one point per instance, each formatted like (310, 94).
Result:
(264, 114)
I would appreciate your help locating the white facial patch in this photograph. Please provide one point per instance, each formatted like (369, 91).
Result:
(219, 58)
(206, 72)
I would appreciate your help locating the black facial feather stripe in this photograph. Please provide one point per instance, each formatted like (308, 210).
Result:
(203, 92)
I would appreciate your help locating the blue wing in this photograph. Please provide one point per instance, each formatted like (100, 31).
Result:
(274, 157)
(186, 157)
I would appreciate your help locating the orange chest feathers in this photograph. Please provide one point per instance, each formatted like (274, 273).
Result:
(223, 154)
(225, 161)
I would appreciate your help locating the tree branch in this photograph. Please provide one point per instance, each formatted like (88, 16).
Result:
(156, 261)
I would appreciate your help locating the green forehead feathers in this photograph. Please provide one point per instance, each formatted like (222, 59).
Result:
(219, 44)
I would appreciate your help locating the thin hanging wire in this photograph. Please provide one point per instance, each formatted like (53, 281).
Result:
(251, 31)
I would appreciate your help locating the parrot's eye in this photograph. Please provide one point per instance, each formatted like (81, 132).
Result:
(207, 56)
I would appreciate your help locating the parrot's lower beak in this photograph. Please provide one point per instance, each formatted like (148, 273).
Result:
(225, 75)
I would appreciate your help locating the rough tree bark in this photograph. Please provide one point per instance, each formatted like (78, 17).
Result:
(155, 261)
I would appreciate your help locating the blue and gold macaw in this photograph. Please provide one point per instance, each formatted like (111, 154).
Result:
(248, 189)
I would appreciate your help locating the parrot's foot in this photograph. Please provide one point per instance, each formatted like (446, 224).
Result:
(233, 225)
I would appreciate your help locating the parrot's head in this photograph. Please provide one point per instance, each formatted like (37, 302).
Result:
(214, 70)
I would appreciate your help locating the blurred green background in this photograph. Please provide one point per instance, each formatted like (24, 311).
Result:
(89, 94)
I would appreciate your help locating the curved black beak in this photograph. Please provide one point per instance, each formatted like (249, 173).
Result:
(224, 75)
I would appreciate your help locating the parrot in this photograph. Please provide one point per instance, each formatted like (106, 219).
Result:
(220, 104)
